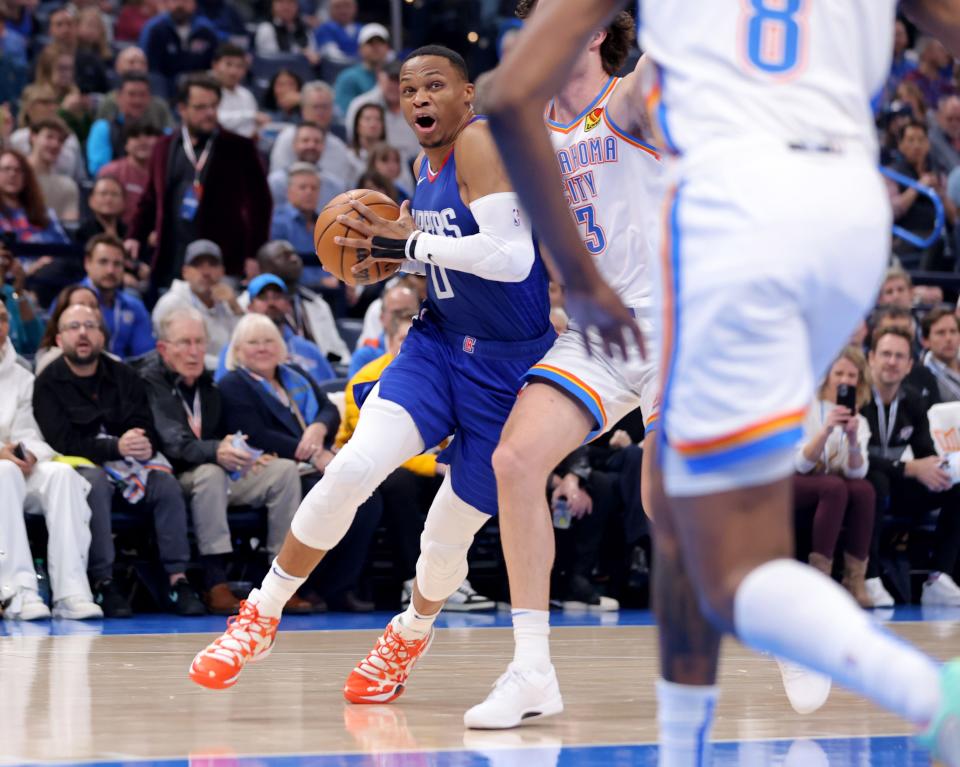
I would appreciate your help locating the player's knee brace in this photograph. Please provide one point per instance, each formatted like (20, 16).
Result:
(449, 530)
(385, 437)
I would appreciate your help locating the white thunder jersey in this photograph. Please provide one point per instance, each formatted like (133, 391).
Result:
(612, 182)
(717, 61)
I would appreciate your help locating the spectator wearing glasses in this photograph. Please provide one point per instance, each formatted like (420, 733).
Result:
(91, 406)
(898, 419)
(213, 471)
(205, 183)
(204, 289)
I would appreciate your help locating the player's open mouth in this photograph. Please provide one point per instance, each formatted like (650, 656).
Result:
(425, 123)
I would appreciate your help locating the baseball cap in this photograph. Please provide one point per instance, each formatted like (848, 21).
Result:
(199, 249)
(370, 31)
(261, 282)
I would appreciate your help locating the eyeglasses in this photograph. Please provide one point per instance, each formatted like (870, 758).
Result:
(75, 327)
(189, 343)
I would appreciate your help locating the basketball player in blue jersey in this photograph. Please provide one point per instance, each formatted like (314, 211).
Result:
(484, 323)
(766, 107)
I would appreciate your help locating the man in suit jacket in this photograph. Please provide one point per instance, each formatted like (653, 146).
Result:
(205, 183)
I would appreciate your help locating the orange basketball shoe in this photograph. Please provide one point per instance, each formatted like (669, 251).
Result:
(382, 675)
(248, 638)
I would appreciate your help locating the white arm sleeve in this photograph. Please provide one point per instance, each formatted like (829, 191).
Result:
(502, 250)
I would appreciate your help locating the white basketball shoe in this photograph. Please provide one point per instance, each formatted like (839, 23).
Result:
(519, 695)
(806, 690)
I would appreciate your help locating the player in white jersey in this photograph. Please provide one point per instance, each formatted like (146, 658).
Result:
(777, 232)
(611, 181)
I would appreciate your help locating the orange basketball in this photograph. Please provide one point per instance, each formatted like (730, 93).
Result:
(338, 259)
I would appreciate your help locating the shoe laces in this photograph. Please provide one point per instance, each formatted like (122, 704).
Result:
(390, 657)
(509, 682)
(245, 632)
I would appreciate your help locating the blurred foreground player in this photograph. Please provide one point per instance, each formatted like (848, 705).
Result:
(484, 323)
(612, 181)
(766, 107)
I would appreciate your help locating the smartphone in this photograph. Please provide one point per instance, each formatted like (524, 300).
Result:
(20, 452)
(847, 397)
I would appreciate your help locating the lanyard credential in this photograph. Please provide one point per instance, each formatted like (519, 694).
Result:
(197, 164)
(886, 429)
(194, 419)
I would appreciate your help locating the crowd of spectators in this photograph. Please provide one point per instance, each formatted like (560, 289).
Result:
(178, 356)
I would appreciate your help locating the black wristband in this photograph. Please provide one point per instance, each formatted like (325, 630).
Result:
(388, 247)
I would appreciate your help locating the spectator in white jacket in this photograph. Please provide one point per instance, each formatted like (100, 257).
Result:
(831, 465)
(26, 469)
(238, 111)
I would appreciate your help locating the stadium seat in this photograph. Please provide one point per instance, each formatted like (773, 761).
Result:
(350, 330)
(265, 67)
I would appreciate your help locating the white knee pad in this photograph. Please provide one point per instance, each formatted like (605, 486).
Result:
(385, 437)
(450, 528)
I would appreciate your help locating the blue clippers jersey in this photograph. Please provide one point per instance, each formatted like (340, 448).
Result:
(464, 303)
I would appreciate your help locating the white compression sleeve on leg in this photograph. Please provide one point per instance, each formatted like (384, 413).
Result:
(791, 610)
(385, 437)
(501, 251)
(447, 534)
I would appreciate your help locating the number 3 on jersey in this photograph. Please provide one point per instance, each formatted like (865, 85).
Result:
(595, 239)
(773, 34)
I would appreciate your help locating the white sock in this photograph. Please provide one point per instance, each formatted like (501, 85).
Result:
(411, 625)
(531, 636)
(275, 591)
(684, 716)
(789, 609)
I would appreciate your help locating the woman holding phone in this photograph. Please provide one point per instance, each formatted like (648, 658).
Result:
(832, 464)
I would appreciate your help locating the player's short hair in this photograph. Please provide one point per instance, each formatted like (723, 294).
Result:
(881, 333)
(934, 316)
(443, 52)
(621, 35)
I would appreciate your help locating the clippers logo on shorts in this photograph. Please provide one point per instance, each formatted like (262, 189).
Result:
(593, 119)
(469, 344)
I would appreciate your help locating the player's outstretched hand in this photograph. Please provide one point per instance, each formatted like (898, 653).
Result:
(392, 235)
(600, 310)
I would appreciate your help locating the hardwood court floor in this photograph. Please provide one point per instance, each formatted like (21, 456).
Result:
(119, 698)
